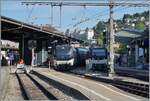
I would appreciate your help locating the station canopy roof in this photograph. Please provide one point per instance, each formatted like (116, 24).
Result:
(127, 36)
(13, 30)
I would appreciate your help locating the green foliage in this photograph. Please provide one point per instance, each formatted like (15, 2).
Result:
(101, 25)
(119, 23)
(127, 16)
(140, 25)
(144, 14)
(100, 39)
(67, 31)
(98, 29)
(122, 49)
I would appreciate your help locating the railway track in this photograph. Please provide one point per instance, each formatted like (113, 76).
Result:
(32, 89)
(134, 88)
(139, 74)
(130, 87)
(43, 93)
(75, 94)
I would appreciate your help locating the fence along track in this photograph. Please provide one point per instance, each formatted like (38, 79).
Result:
(27, 93)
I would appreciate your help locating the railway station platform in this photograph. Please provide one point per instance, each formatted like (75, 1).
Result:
(83, 84)
(70, 80)
(104, 76)
(4, 77)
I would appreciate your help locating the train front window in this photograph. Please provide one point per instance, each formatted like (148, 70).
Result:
(99, 53)
(64, 52)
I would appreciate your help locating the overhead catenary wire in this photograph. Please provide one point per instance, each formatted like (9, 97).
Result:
(82, 0)
(111, 5)
(52, 3)
(51, 15)
(95, 18)
(102, 13)
(30, 13)
(88, 19)
(86, 3)
(60, 15)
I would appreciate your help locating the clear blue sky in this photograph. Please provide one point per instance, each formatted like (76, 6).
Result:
(70, 15)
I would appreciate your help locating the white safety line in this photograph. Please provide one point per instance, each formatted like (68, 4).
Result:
(101, 96)
(133, 98)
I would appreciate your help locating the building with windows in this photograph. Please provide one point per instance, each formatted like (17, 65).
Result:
(89, 34)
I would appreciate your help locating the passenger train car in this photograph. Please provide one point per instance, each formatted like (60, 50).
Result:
(82, 56)
(64, 57)
(98, 59)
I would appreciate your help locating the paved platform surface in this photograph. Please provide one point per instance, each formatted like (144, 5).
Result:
(99, 74)
(9, 85)
(4, 78)
(13, 90)
(92, 89)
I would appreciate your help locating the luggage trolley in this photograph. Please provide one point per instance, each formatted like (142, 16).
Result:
(21, 67)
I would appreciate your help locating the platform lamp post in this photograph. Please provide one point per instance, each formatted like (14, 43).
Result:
(32, 61)
(54, 43)
(111, 42)
(32, 45)
(49, 57)
(128, 54)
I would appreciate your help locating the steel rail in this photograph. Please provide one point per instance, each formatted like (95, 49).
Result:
(69, 90)
(42, 88)
(25, 92)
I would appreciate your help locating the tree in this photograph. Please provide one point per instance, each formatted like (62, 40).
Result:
(126, 16)
(100, 39)
(137, 15)
(67, 32)
(87, 29)
(140, 25)
(100, 27)
(122, 49)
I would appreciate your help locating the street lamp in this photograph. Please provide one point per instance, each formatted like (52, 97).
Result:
(128, 54)
(128, 47)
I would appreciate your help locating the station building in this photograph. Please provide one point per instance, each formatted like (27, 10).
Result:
(137, 42)
(31, 36)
